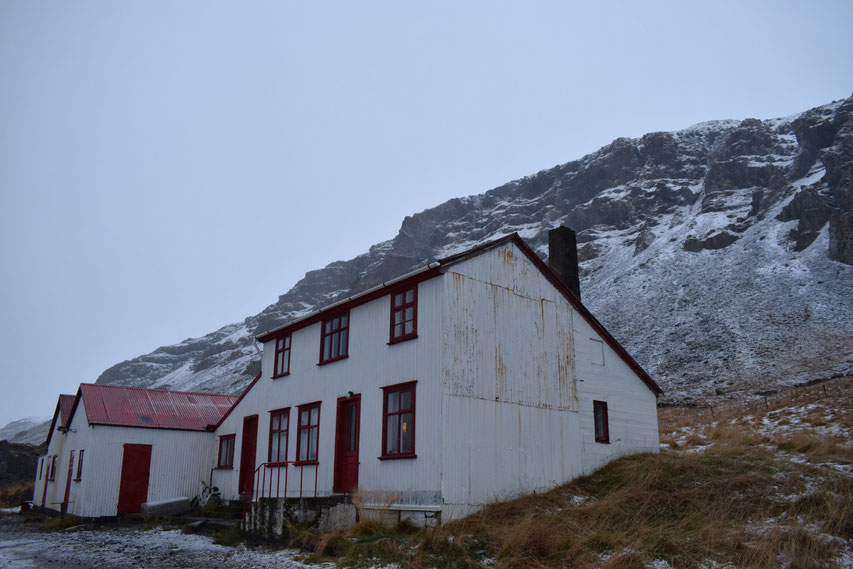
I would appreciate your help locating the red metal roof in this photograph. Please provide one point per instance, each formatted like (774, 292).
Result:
(152, 408)
(66, 402)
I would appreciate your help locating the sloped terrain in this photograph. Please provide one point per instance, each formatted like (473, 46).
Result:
(719, 255)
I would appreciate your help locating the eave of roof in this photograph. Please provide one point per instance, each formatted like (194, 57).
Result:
(64, 409)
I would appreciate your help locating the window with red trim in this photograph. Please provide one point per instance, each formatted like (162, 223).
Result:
(79, 475)
(51, 471)
(398, 421)
(282, 357)
(226, 451)
(602, 429)
(279, 422)
(334, 339)
(308, 432)
(41, 468)
(404, 315)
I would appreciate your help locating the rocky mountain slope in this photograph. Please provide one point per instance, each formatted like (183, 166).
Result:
(715, 254)
(19, 431)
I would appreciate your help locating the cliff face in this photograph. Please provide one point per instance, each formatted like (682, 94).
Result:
(716, 255)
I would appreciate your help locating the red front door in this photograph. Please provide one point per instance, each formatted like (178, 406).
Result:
(247, 455)
(135, 468)
(346, 443)
(64, 507)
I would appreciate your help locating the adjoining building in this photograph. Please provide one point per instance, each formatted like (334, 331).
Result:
(113, 448)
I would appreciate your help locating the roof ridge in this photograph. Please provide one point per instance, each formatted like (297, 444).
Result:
(203, 393)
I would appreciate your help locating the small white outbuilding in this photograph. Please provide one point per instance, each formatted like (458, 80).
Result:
(479, 377)
(112, 448)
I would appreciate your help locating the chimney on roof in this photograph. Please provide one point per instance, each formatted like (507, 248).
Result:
(563, 257)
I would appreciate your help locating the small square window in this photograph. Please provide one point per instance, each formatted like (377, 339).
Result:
(282, 357)
(602, 428)
(398, 421)
(279, 422)
(226, 451)
(334, 338)
(308, 432)
(404, 315)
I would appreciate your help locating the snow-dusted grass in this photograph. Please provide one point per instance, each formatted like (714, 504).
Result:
(749, 487)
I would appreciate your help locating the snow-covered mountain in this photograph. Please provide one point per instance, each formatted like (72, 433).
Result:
(721, 256)
(29, 430)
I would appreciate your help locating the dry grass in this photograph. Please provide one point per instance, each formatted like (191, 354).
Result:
(15, 494)
(740, 488)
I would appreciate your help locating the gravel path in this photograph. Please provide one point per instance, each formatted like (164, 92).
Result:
(123, 546)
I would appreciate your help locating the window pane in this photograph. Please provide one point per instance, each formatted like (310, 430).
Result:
(312, 454)
(286, 364)
(343, 321)
(406, 432)
(315, 414)
(335, 345)
(410, 327)
(398, 330)
(303, 418)
(410, 314)
(398, 317)
(274, 447)
(326, 346)
(303, 444)
(343, 342)
(406, 400)
(599, 422)
(287, 342)
(391, 434)
(393, 402)
(398, 299)
(410, 295)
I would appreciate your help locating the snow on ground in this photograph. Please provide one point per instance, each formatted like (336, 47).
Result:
(22, 545)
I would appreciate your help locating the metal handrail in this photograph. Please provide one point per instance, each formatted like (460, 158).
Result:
(260, 478)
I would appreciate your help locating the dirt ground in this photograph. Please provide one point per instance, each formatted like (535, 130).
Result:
(128, 546)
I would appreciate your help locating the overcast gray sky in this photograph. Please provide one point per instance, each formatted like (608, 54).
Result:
(167, 168)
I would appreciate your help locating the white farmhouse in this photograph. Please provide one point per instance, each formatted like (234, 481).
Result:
(476, 378)
(113, 448)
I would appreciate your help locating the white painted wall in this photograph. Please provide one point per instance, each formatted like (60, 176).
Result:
(518, 386)
(55, 448)
(371, 364)
(179, 461)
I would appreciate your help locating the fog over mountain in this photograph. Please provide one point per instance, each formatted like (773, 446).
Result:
(721, 256)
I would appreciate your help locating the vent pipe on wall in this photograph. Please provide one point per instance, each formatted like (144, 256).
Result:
(563, 257)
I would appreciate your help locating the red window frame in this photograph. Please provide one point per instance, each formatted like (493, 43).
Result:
(51, 471)
(283, 432)
(311, 429)
(334, 338)
(281, 365)
(393, 413)
(79, 475)
(599, 411)
(226, 461)
(404, 309)
(41, 467)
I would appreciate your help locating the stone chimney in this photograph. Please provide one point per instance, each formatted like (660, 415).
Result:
(563, 257)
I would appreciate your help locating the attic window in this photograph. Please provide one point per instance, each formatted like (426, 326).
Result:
(596, 353)
(282, 357)
(404, 315)
(334, 338)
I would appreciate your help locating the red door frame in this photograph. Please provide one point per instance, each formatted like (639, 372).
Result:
(133, 485)
(64, 506)
(46, 479)
(248, 450)
(346, 459)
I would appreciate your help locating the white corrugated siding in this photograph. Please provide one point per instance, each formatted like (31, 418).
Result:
(515, 397)
(179, 461)
(371, 364)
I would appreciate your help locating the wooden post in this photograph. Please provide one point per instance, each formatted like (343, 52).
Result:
(766, 405)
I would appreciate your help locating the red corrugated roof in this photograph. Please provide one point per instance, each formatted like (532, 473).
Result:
(66, 402)
(152, 408)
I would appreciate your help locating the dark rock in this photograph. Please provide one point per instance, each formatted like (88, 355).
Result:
(812, 211)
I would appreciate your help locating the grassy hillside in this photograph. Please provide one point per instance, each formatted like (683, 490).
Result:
(764, 485)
